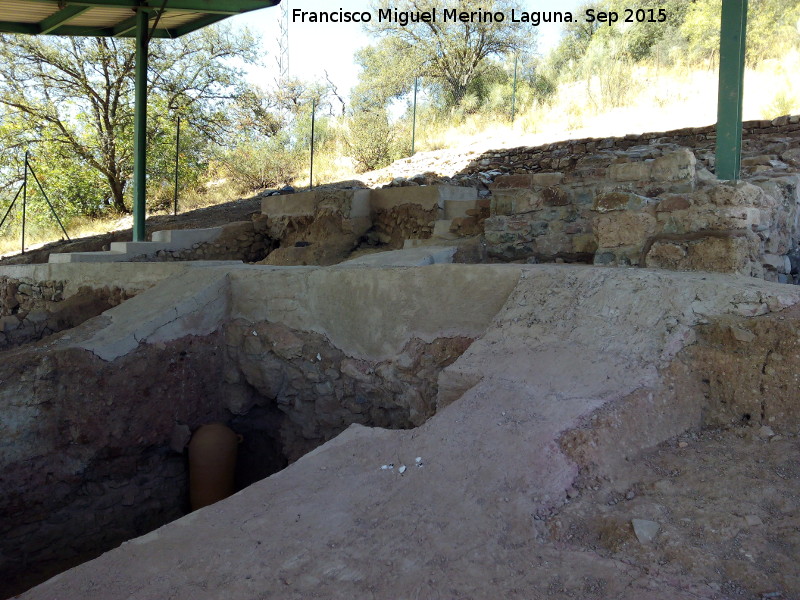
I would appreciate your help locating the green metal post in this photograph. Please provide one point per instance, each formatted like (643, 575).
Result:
(24, 200)
(414, 117)
(514, 93)
(140, 128)
(311, 170)
(177, 153)
(733, 40)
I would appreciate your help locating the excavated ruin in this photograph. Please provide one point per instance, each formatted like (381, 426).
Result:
(413, 429)
(92, 458)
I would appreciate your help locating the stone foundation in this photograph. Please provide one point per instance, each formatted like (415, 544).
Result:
(651, 207)
(247, 241)
(31, 310)
(94, 427)
(321, 390)
(763, 141)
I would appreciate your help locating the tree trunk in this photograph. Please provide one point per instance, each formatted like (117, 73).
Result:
(117, 196)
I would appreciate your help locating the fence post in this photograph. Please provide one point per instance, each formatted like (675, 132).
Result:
(177, 151)
(46, 199)
(311, 170)
(24, 199)
(414, 117)
(514, 92)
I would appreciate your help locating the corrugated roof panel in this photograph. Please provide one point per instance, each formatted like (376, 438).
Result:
(25, 12)
(175, 19)
(102, 17)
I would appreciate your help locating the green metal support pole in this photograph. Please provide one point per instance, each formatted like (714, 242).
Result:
(311, 170)
(24, 200)
(414, 117)
(140, 128)
(177, 155)
(733, 40)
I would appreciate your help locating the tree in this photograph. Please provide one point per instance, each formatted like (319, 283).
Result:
(452, 52)
(270, 142)
(771, 28)
(76, 94)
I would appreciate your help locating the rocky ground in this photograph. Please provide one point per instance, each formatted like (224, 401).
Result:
(716, 505)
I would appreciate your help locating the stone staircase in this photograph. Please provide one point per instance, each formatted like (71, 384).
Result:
(397, 216)
(170, 240)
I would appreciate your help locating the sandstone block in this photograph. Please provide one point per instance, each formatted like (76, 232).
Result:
(428, 197)
(720, 254)
(546, 179)
(619, 201)
(623, 229)
(671, 203)
(290, 205)
(506, 182)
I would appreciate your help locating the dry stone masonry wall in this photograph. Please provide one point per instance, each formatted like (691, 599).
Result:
(763, 141)
(242, 240)
(92, 450)
(321, 390)
(650, 206)
(85, 450)
(31, 310)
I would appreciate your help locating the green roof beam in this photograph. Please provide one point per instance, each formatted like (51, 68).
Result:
(56, 20)
(124, 27)
(28, 28)
(199, 23)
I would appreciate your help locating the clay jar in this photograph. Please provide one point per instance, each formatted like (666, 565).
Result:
(212, 462)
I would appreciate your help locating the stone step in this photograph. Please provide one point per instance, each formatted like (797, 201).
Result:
(441, 230)
(454, 209)
(88, 257)
(184, 238)
(138, 248)
(176, 239)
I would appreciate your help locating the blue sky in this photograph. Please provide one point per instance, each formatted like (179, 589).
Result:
(317, 47)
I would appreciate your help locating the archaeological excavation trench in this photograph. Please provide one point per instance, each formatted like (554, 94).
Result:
(95, 435)
(406, 429)
(510, 383)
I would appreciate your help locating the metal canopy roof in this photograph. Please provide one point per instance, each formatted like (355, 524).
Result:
(117, 18)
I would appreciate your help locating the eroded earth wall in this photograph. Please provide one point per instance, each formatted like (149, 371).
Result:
(95, 419)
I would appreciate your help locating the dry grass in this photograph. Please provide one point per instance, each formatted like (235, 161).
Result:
(649, 99)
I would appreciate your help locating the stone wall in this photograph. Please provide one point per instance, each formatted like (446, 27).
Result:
(319, 227)
(323, 226)
(321, 390)
(85, 451)
(31, 310)
(651, 206)
(760, 139)
(248, 241)
(94, 425)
